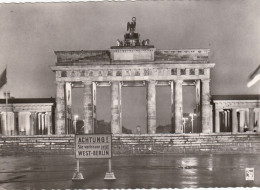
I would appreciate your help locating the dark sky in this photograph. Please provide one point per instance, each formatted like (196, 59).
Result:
(30, 33)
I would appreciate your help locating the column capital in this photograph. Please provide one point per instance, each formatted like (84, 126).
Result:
(87, 82)
(178, 81)
(206, 80)
(151, 81)
(219, 109)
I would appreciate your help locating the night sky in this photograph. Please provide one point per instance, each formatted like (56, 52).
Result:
(30, 33)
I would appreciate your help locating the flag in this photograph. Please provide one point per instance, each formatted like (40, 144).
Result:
(254, 77)
(3, 79)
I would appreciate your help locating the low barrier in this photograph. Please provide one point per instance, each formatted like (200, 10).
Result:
(131, 144)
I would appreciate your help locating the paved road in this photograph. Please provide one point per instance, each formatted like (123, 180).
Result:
(158, 171)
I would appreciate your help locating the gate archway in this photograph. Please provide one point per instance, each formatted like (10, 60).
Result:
(129, 62)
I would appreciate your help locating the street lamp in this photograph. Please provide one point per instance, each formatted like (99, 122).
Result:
(192, 119)
(75, 122)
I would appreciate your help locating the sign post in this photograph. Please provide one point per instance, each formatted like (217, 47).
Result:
(77, 175)
(89, 146)
(109, 175)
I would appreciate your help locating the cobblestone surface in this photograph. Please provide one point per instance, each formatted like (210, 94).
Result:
(147, 171)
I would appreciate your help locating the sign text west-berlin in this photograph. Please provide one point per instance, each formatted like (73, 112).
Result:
(93, 146)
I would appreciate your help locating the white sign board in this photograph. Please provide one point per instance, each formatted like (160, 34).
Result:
(93, 146)
(250, 174)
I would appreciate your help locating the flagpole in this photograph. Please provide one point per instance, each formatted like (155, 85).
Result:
(6, 101)
(6, 98)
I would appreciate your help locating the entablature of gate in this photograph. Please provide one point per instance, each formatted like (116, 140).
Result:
(133, 72)
(236, 104)
(46, 107)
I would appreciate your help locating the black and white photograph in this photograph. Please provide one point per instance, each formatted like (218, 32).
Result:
(138, 94)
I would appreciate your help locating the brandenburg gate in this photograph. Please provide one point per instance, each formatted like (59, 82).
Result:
(133, 62)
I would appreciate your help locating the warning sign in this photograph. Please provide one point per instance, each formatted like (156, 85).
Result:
(93, 146)
(250, 174)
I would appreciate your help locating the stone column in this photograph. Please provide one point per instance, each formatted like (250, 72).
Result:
(43, 123)
(251, 119)
(32, 123)
(115, 108)
(206, 116)
(151, 107)
(47, 123)
(242, 120)
(178, 108)
(258, 121)
(16, 124)
(172, 108)
(68, 102)
(94, 106)
(225, 120)
(3, 123)
(60, 109)
(39, 123)
(198, 102)
(256, 116)
(27, 123)
(88, 108)
(228, 121)
(8, 130)
(234, 121)
(21, 123)
(10, 121)
(217, 125)
(50, 123)
(120, 106)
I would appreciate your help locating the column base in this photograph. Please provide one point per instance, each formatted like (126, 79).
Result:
(77, 176)
(110, 176)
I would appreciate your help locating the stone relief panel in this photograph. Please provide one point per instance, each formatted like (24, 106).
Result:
(174, 71)
(183, 71)
(109, 73)
(100, 73)
(201, 71)
(72, 73)
(82, 73)
(119, 73)
(160, 72)
(90, 74)
(63, 74)
(192, 71)
(69, 74)
(137, 73)
(127, 72)
(146, 72)
(77, 73)
(155, 72)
